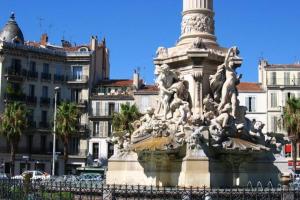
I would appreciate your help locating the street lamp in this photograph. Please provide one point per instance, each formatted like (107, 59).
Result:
(56, 89)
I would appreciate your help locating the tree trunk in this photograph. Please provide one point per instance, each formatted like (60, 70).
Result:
(12, 158)
(294, 148)
(65, 154)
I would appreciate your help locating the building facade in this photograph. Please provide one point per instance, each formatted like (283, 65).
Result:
(106, 100)
(29, 73)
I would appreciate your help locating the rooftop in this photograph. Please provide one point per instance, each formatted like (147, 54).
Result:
(249, 87)
(116, 83)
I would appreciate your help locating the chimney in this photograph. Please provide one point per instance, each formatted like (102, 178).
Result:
(261, 69)
(44, 39)
(94, 43)
(65, 43)
(136, 80)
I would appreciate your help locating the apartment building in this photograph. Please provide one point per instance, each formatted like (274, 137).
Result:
(280, 82)
(29, 73)
(253, 96)
(107, 99)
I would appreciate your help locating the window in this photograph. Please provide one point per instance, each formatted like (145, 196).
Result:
(44, 116)
(58, 70)
(111, 109)
(77, 72)
(74, 145)
(273, 78)
(95, 150)
(273, 100)
(290, 95)
(76, 95)
(43, 143)
(46, 68)
(29, 143)
(97, 109)
(32, 66)
(287, 80)
(31, 90)
(45, 92)
(96, 129)
(30, 116)
(298, 78)
(16, 65)
(250, 104)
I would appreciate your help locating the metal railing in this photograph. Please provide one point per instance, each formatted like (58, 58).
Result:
(44, 101)
(77, 78)
(31, 100)
(45, 76)
(44, 125)
(284, 82)
(32, 75)
(36, 190)
(59, 78)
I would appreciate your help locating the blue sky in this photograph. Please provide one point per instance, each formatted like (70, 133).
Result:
(135, 28)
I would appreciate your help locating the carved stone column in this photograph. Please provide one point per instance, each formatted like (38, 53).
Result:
(198, 92)
(198, 22)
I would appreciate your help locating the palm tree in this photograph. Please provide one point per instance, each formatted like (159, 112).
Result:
(13, 124)
(66, 124)
(122, 122)
(291, 119)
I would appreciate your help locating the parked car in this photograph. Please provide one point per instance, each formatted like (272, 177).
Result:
(35, 175)
(90, 177)
(3, 176)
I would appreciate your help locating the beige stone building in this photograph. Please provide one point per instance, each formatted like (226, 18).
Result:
(29, 73)
(280, 82)
(107, 99)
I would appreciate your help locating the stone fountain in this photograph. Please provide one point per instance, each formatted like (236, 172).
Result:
(198, 134)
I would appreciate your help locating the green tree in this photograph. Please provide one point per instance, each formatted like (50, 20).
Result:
(122, 121)
(66, 124)
(291, 119)
(13, 124)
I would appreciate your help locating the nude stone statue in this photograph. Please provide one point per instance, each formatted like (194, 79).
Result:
(166, 78)
(229, 90)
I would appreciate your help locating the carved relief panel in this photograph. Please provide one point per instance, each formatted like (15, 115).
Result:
(197, 23)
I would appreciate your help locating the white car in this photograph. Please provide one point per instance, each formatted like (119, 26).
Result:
(35, 175)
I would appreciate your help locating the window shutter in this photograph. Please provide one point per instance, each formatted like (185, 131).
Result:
(247, 103)
(253, 104)
(105, 134)
(116, 107)
(106, 108)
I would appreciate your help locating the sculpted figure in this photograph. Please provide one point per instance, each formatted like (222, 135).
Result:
(229, 90)
(221, 121)
(165, 80)
(162, 52)
(145, 127)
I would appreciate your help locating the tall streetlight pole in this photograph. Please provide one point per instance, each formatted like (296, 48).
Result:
(56, 89)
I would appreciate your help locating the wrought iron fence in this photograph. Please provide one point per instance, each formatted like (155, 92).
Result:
(46, 190)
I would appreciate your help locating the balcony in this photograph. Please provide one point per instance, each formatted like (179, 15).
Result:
(31, 100)
(58, 78)
(45, 101)
(282, 82)
(31, 124)
(31, 75)
(45, 76)
(83, 130)
(77, 81)
(14, 74)
(81, 104)
(44, 125)
(9, 97)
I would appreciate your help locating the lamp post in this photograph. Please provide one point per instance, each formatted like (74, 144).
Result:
(56, 89)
